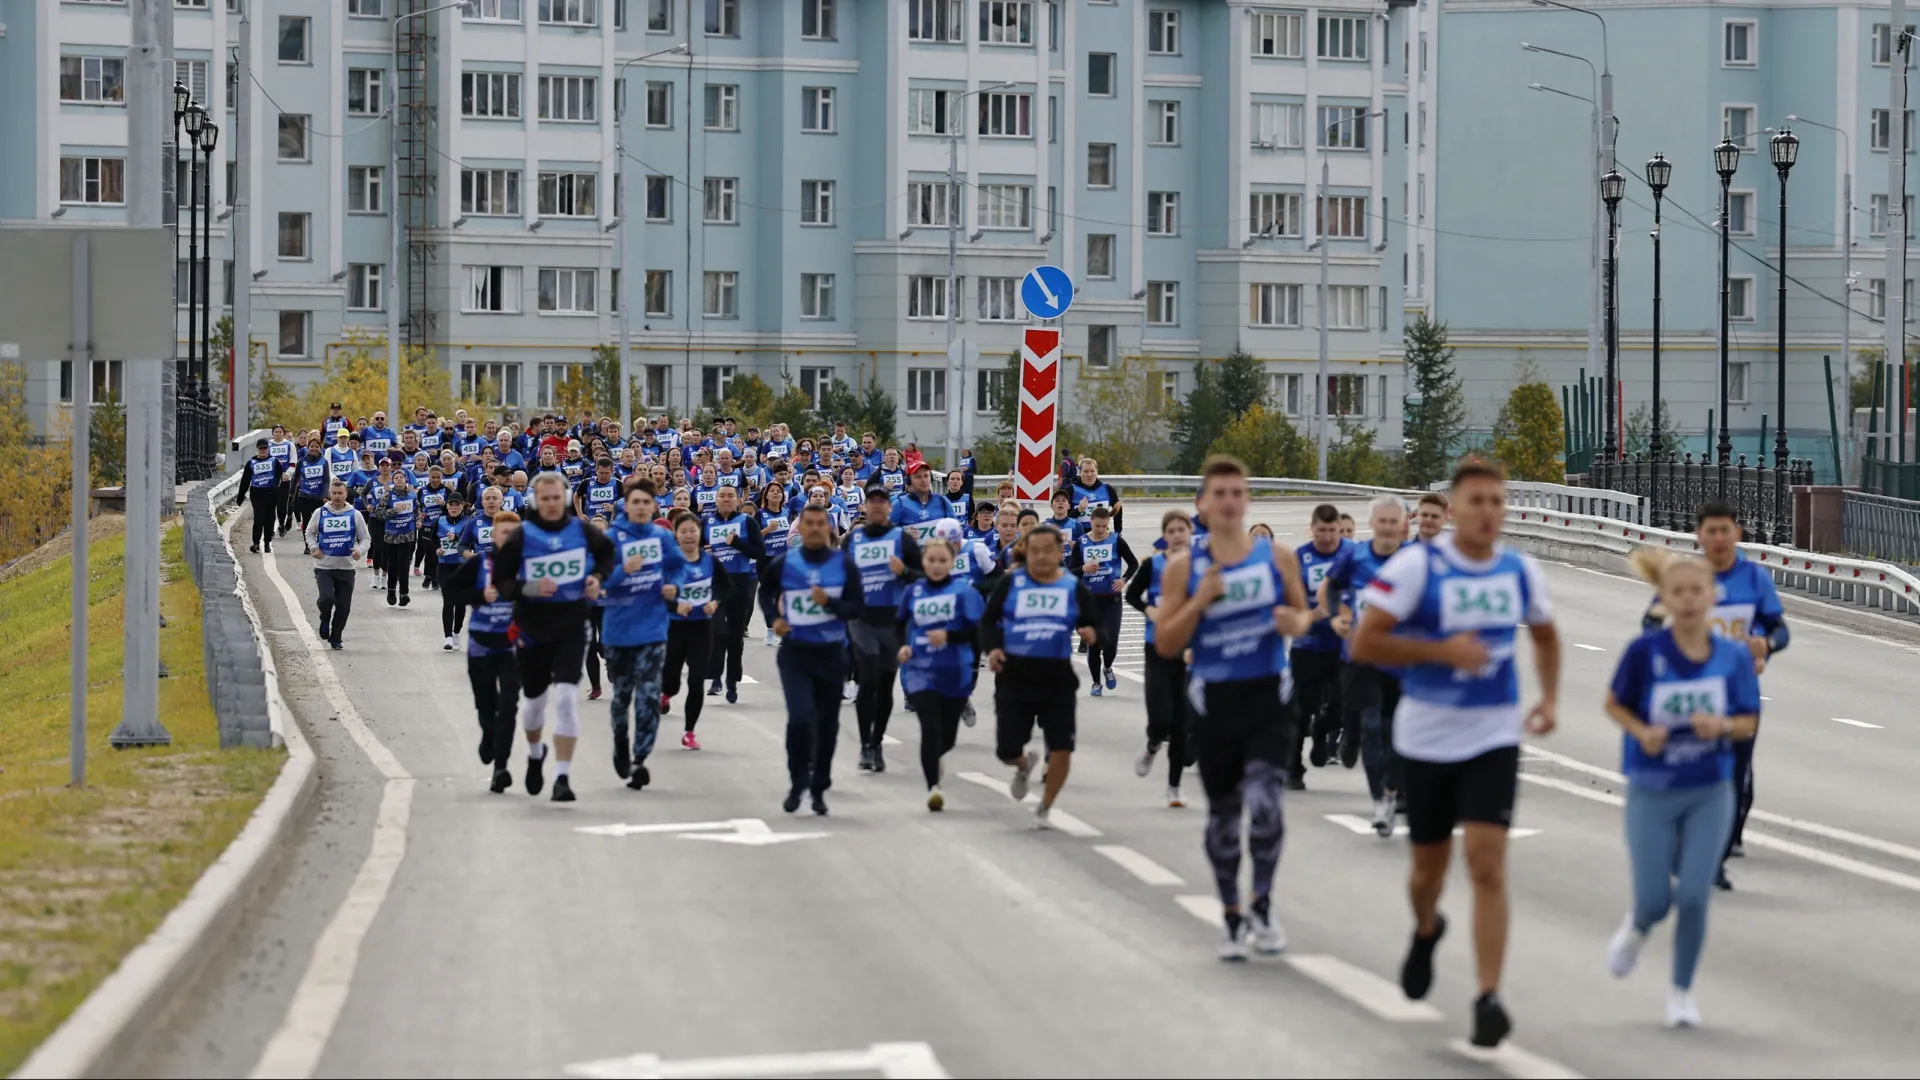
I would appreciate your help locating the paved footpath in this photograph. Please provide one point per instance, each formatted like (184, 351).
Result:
(422, 926)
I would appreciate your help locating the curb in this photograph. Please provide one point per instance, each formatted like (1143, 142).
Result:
(122, 1008)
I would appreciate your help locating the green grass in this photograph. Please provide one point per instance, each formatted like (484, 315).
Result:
(85, 875)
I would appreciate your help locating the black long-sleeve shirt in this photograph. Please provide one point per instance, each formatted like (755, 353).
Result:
(1032, 678)
(1137, 587)
(548, 620)
(1129, 564)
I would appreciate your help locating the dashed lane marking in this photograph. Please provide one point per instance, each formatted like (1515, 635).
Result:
(1139, 865)
(1858, 723)
(1061, 820)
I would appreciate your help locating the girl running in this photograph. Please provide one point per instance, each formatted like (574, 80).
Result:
(1166, 678)
(938, 619)
(698, 592)
(1104, 563)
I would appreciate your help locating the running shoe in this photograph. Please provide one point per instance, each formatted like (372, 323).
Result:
(1174, 801)
(967, 715)
(392, 598)
(1682, 1012)
(879, 759)
(378, 584)
(1737, 851)
(772, 639)
(255, 548)
(820, 803)
(486, 749)
(1350, 746)
(688, 742)
(1022, 776)
(448, 647)
(336, 645)
(502, 779)
(1490, 1022)
(1416, 972)
(562, 789)
(866, 757)
(1320, 753)
(1296, 782)
(593, 693)
(733, 693)
(1096, 689)
(1624, 950)
(1233, 939)
(791, 802)
(714, 689)
(1383, 817)
(267, 547)
(1042, 819)
(1269, 937)
(1721, 881)
(1143, 764)
(936, 802)
(536, 778)
(405, 599)
(847, 693)
(1113, 681)
(640, 778)
(666, 704)
(622, 756)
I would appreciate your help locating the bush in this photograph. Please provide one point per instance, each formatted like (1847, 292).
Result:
(1353, 459)
(1267, 443)
(34, 500)
(1528, 436)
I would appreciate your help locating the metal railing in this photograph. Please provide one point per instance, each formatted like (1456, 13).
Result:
(1881, 527)
(200, 436)
(1894, 479)
(1674, 486)
(1163, 484)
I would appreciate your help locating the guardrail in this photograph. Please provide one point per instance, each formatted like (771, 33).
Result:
(233, 644)
(1186, 484)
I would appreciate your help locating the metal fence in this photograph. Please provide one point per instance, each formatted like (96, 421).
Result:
(1675, 486)
(200, 437)
(1881, 527)
(1896, 479)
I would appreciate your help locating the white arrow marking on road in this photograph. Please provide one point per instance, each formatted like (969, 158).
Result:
(904, 1061)
(888, 740)
(676, 827)
(1857, 723)
(753, 839)
(1357, 824)
(751, 832)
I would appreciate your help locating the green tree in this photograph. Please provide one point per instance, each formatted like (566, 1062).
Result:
(107, 441)
(1352, 458)
(1528, 437)
(1222, 390)
(747, 398)
(877, 413)
(1435, 425)
(1266, 442)
(355, 374)
(793, 408)
(1640, 429)
(270, 399)
(1124, 409)
(840, 405)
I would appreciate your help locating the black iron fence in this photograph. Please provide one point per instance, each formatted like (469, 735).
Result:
(1675, 485)
(200, 439)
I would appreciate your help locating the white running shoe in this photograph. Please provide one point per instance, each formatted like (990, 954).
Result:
(1269, 937)
(849, 691)
(1383, 817)
(1041, 821)
(1624, 951)
(1022, 776)
(772, 640)
(1143, 764)
(936, 801)
(1682, 1012)
(967, 715)
(1233, 940)
(449, 646)
(1174, 801)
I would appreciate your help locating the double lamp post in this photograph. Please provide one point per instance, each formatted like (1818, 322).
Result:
(200, 432)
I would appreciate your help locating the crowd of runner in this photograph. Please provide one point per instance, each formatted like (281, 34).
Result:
(568, 550)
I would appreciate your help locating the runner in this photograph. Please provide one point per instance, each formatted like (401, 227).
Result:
(735, 540)
(1685, 695)
(551, 566)
(775, 530)
(1027, 633)
(888, 558)
(938, 620)
(394, 503)
(286, 452)
(447, 558)
(635, 631)
(310, 486)
(1368, 695)
(433, 496)
(1089, 492)
(266, 480)
(919, 508)
(1104, 564)
(699, 590)
(1447, 611)
(1232, 603)
(336, 536)
(813, 594)
(1166, 679)
(1315, 656)
(1431, 516)
(491, 667)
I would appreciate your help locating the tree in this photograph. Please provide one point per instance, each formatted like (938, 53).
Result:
(1640, 429)
(877, 413)
(268, 395)
(1528, 435)
(793, 408)
(840, 405)
(1433, 427)
(107, 442)
(1125, 410)
(1222, 390)
(747, 399)
(33, 499)
(1266, 442)
(1353, 459)
(355, 375)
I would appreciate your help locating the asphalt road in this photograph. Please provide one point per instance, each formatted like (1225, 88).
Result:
(422, 926)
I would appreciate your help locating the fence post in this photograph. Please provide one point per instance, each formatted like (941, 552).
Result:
(1833, 420)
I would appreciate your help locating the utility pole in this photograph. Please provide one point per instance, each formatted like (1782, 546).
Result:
(1900, 54)
(240, 363)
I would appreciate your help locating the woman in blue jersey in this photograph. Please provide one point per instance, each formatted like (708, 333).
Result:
(310, 484)
(634, 631)
(1368, 695)
(1104, 563)
(396, 507)
(775, 531)
(699, 589)
(1166, 679)
(1684, 695)
(938, 619)
(490, 662)
(445, 537)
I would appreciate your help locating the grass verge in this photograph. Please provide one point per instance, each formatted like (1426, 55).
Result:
(86, 875)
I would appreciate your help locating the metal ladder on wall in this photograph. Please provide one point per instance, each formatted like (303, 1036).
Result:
(418, 179)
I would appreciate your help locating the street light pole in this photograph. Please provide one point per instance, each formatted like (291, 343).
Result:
(1786, 150)
(621, 210)
(1595, 227)
(1320, 238)
(1613, 187)
(192, 118)
(1659, 173)
(201, 440)
(1726, 161)
(955, 376)
(1846, 275)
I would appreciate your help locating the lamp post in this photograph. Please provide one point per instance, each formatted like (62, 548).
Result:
(1786, 150)
(1598, 150)
(955, 379)
(182, 97)
(1320, 241)
(203, 439)
(1846, 272)
(193, 117)
(1726, 161)
(620, 230)
(1659, 173)
(1613, 188)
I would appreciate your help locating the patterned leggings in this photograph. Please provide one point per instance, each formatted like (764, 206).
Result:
(635, 671)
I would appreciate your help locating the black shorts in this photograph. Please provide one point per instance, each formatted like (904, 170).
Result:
(1014, 720)
(547, 663)
(1442, 794)
(1236, 723)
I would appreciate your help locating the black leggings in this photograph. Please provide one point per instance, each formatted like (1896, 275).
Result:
(284, 515)
(689, 642)
(594, 651)
(426, 554)
(939, 728)
(303, 508)
(1742, 789)
(452, 616)
(398, 580)
(1167, 711)
(730, 630)
(1316, 701)
(266, 507)
(1106, 635)
(496, 701)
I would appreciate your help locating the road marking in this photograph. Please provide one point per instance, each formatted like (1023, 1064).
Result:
(892, 1060)
(751, 832)
(1129, 676)
(1061, 820)
(1362, 987)
(295, 1048)
(888, 740)
(1764, 697)
(1858, 723)
(1356, 824)
(1515, 1062)
(1139, 865)
(1589, 648)
(1205, 908)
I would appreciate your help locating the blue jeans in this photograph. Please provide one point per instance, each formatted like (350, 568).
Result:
(635, 671)
(1674, 841)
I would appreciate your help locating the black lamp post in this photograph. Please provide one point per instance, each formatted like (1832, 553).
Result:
(1613, 188)
(1659, 173)
(1786, 150)
(1726, 160)
(193, 118)
(206, 440)
(182, 97)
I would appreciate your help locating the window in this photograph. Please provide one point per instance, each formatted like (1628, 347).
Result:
(723, 18)
(1883, 42)
(567, 291)
(188, 181)
(494, 94)
(1005, 206)
(493, 288)
(1346, 307)
(927, 202)
(1100, 74)
(293, 332)
(659, 105)
(566, 194)
(493, 10)
(183, 282)
(1099, 165)
(1100, 255)
(1283, 393)
(817, 19)
(722, 204)
(1736, 49)
(109, 376)
(226, 280)
(659, 202)
(190, 3)
(659, 16)
(551, 377)
(362, 9)
(613, 290)
(1880, 130)
(493, 385)
(659, 381)
(988, 386)
(1740, 212)
(1163, 303)
(1006, 22)
(495, 192)
(934, 20)
(1740, 304)
(1343, 217)
(658, 297)
(723, 108)
(1100, 346)
(1276, 34)
(232, 72)
(1053, 210)
(815, 382)
(364, 187)
(816, 109)
(292, 243)
(570, 12)
(1053, 112)
(567, 97)
(1163, 33)
(363, 91)
(1009, 115)
(1343, 37)
(816, 202)
(1347, 395)
(98, 80)
(293, 137)
(713, 383)
(1877, 299)
(998, 299)
(926, 390)
(93, 179)
(1273, 213)
(1163, 213)
(1737, 123)
(1877, 215)
(1277, 125)
(1165, 117)
(1170, 387)
(363, 286)
(816, 296)
(1273, 305)
(926, 297)
(927, 112)
(1343, 127)
(293, 40)
(720, 294)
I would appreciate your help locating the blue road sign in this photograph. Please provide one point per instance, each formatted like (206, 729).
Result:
(1047, 291)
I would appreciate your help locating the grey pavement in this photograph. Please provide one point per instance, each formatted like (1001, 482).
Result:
(512, 944)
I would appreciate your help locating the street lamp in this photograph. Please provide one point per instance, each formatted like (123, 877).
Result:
(192, 118)
(1613, 188)
(1726, 161)
(1599, 152)
(620, 227)
(955, 378)
(1786, 150)
(203, 439)
(1659, 174)
(1846, 266)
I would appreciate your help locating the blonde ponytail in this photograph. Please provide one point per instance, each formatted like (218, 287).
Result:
(1650, 563)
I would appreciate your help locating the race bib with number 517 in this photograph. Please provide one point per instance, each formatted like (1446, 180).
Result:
(1043, 602)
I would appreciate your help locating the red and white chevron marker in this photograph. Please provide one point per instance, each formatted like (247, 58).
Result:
(1039, 413)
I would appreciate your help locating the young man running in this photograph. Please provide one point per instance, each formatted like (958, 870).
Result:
(1430, 516)
(491, 669)
(888, 558)
(1316, 654)
(812, 594)
(1447, 611)
(551, 566)
(337, 536)
(1231, 604)
(1368, 695)
(634, 631)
